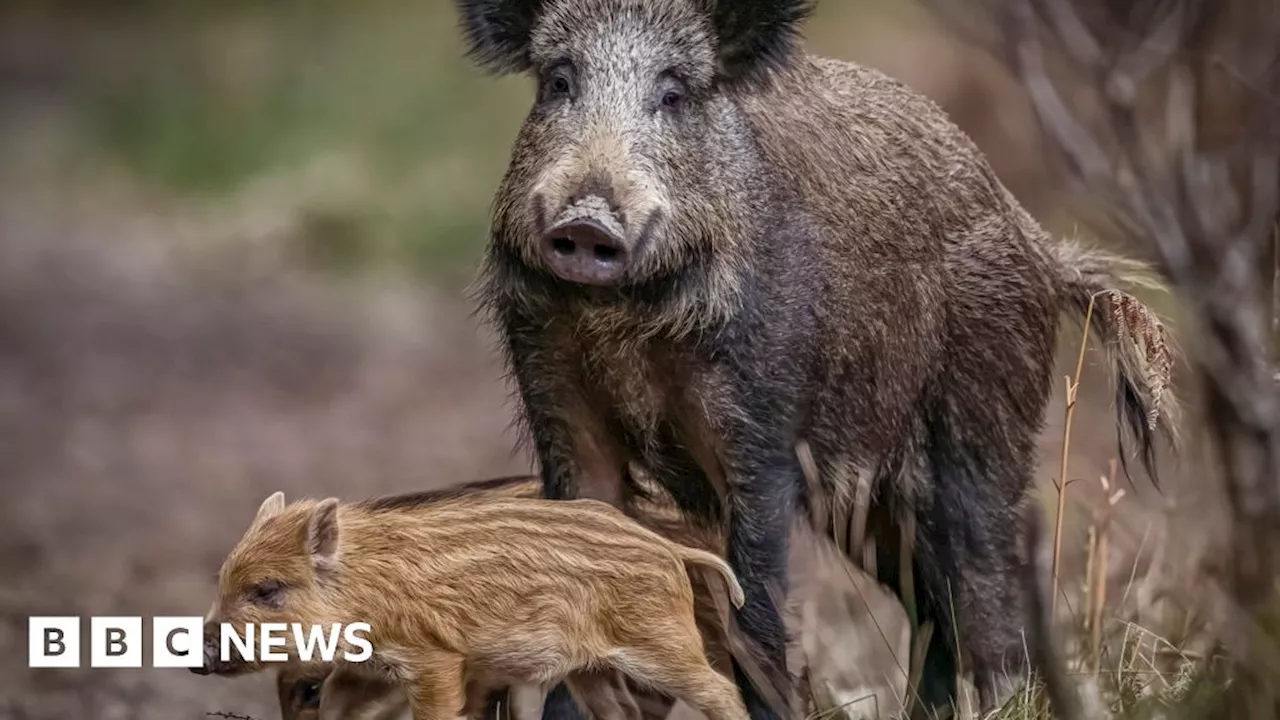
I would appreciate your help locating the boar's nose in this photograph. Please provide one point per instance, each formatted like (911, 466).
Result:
(586, 248)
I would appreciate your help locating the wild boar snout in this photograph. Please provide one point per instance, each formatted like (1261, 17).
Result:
(587, 244)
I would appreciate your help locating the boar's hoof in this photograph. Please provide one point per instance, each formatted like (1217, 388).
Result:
(584, 251)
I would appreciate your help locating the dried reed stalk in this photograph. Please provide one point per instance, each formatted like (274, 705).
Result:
(1072, 387)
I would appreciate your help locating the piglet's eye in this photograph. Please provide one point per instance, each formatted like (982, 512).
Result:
(269, 593)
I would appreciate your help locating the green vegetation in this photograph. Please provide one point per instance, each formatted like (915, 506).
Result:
(400, 140)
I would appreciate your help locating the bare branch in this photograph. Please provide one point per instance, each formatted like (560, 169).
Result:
(1077, 39)
(1156, 50)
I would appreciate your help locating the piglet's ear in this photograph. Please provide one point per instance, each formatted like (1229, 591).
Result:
(757, 37)
(269, 508)
(322, 535)
(497, 32)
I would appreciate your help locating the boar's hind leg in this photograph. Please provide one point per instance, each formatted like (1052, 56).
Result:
(968, 562)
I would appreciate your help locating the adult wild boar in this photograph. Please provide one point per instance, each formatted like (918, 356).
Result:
(710, 245)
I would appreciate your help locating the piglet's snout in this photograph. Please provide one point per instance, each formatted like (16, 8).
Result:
(587, 244)
(211, 651)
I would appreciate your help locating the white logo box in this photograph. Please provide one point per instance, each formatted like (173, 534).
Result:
(115, 642)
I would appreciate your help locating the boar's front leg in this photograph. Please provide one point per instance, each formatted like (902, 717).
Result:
(740, 431)
(763, 487)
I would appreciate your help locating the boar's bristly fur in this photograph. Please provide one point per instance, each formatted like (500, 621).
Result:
(693, 273)
(480, 585)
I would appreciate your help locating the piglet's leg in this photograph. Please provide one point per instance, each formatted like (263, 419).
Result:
(676, 665)
(437, 687)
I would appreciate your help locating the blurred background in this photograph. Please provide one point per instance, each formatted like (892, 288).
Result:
(235, 241)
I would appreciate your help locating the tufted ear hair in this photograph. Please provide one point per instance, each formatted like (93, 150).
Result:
(497, 32)
(757, 37)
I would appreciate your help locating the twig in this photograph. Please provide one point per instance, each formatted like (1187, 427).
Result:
(1073, 385)
(1090, 559)
(1042, 651)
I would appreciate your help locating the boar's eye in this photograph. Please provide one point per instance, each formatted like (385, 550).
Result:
(672, 93)
(559, 83)
(268, 593)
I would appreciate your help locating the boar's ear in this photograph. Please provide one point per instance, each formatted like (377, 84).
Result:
(269, 508)
(322, 535)
(497, 32)
(757, 37)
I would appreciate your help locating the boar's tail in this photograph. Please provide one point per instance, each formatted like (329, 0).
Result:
(702, 557)
(1139, 350)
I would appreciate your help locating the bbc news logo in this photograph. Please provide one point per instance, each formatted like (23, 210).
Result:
(178, 642)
